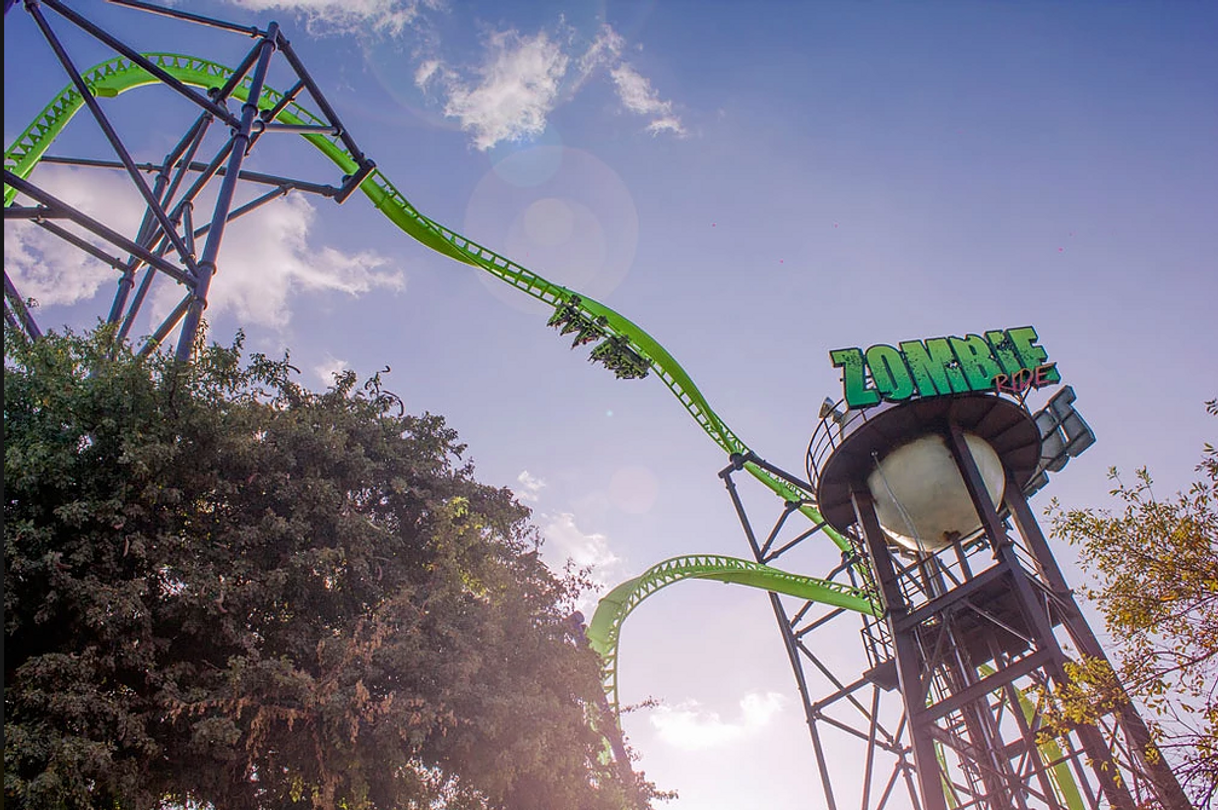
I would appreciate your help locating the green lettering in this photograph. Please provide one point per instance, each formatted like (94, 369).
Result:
(935, 369)
(978, 364)
(889, 373)
(1030, 354)
(1004, 350)
(854, 378)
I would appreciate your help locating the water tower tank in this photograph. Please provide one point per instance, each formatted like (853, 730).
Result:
(899, 455)
(919, 494)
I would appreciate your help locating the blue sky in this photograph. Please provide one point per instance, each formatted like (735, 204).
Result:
(754, 185)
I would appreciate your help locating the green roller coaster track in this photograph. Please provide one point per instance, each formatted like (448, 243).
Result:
(615, 606)
(625, 348)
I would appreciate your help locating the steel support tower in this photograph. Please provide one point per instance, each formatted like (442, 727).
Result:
(972, 642)
(192, 194)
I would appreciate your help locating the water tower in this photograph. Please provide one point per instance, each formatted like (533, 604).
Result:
(926, 466)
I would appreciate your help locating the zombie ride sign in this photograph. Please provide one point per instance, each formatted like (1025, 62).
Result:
(1006, 361)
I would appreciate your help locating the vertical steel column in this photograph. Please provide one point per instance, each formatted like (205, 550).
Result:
(908, 656)
(13, 302)
(107, 129)
(788, 638)
(147, 233)
(207, 264)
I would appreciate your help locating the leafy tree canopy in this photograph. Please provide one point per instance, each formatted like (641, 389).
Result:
(221, 588)
(1155, 565)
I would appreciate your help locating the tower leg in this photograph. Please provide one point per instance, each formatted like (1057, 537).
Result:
(908, 659)
(1170, 794)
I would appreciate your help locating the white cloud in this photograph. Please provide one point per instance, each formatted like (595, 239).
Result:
(585, 550)
(264, 259)
(639, 97)
(515, 91)
(391, 17)
(52, 271)
(329, 369)
(511, 92)
(691, 728)
(425, 72)
(530, 487)
(605, 50)
(634, 90)
(565, 542)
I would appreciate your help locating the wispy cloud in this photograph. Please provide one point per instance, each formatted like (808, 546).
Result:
(530, 487)
(388, 17)
(510, 90)
(584, 549)
(424, 73)
(329, 369)
(267, 259)
(590, 551)
(639, 97)
(605, 51)
(691, 728)
(633, 89)
(52, 271)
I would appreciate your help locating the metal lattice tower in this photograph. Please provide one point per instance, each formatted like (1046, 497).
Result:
(973, 639)
(175, 242)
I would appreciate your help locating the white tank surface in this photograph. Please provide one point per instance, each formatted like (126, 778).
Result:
(919, 494)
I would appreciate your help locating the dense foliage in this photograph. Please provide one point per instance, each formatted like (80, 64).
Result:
(221, 588)
(1156, 570)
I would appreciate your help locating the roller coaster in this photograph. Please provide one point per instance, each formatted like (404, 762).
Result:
(618, 344)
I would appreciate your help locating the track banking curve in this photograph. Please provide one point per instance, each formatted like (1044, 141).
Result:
(615, 606)
(626, 347)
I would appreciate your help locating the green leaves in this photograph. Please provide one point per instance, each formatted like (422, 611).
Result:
(222, 587)
(1155, 564)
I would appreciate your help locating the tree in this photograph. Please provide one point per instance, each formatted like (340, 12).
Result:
(221, 588)
(1156, 570)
